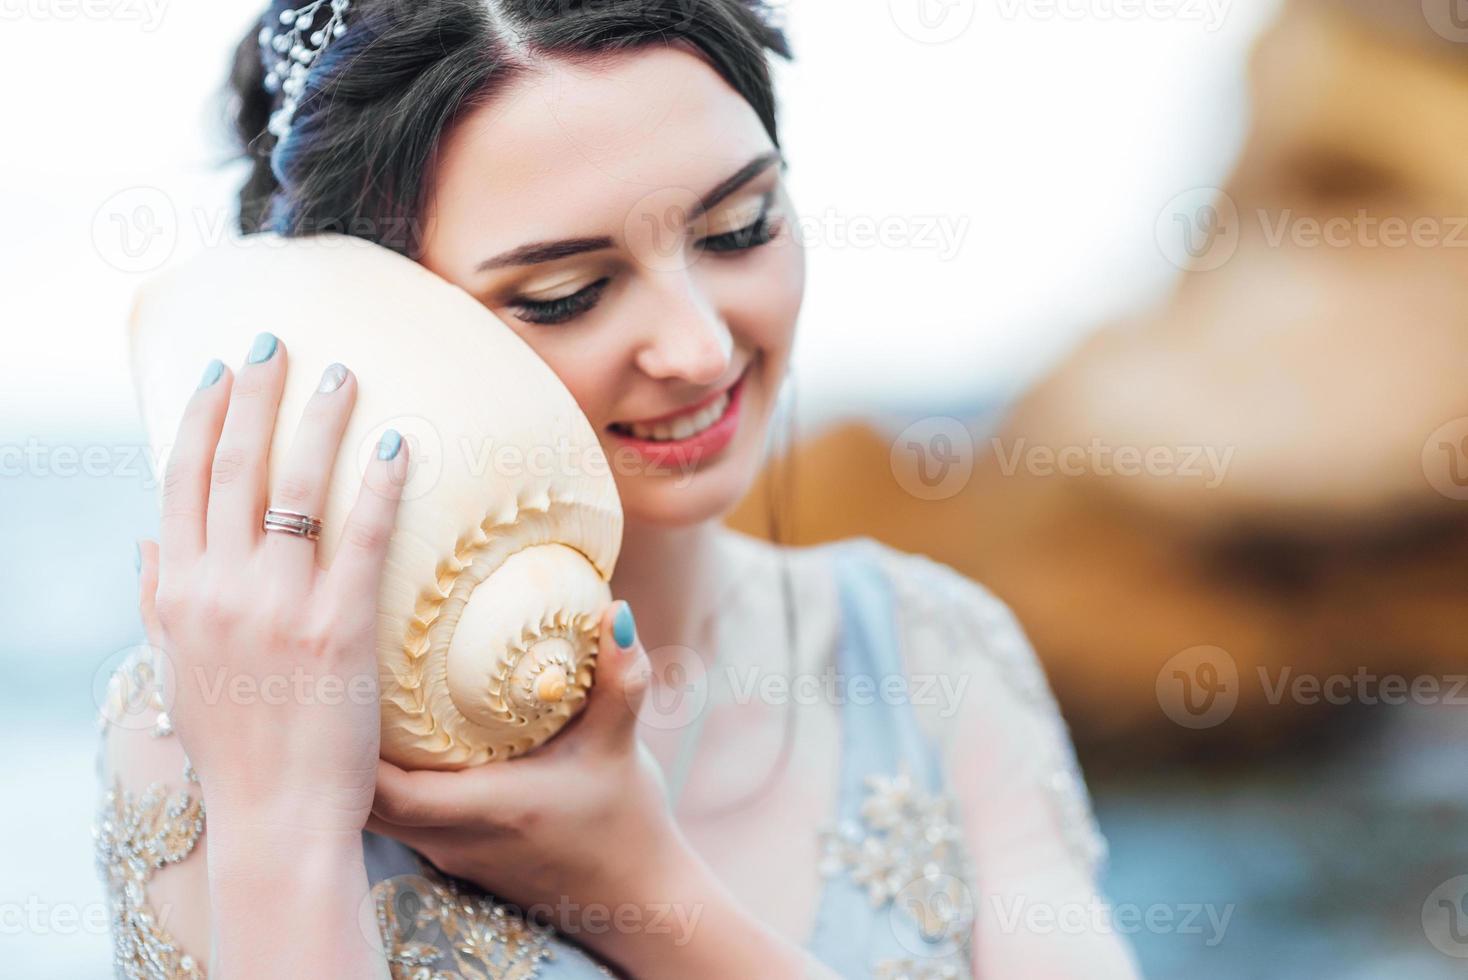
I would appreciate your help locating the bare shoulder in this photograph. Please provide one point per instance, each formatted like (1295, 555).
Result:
(149, 833)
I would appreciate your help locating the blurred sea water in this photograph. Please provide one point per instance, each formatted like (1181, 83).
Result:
(1302, 869)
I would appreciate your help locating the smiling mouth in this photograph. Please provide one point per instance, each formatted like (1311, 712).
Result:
(686, 424)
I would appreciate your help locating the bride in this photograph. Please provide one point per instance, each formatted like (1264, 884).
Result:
(935, 827)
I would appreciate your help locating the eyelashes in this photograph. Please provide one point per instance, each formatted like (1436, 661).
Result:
(753, 235)
(561, 309)
(759, 232)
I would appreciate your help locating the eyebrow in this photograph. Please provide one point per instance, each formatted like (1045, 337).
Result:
(537, 252)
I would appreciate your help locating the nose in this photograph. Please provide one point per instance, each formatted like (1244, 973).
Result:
(688, 338)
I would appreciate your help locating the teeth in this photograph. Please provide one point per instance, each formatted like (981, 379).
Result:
(683, 428)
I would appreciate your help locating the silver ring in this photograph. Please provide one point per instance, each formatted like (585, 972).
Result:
(301, 525)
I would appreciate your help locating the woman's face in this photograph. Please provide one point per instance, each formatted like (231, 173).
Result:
(628, 219)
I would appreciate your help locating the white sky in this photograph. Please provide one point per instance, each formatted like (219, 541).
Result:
(1043, 141)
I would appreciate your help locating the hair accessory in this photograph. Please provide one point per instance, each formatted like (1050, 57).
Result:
(290, 54)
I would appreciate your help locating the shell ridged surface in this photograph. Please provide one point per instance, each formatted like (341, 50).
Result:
(509, 528)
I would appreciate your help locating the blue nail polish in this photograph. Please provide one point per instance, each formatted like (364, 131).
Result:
(263, 349)
(624, 628)
(213, 371)
(389, 444)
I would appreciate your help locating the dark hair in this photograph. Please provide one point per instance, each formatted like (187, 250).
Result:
(358, 159)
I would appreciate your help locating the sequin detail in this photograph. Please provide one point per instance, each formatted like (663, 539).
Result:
(907, 852)
(436, 928)
(134, 839)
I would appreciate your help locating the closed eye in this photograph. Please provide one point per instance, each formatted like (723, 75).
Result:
(562, 308)
(758, 232)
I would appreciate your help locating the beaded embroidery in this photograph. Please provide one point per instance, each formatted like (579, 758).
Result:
(907, 851)
(420, 916)
(135, 838)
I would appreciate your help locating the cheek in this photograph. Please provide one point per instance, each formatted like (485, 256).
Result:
(589, 365)
(765, 299)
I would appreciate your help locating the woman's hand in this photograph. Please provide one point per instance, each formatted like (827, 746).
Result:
(580, 833)
(274, 668)
(271, 668)
(583, 819)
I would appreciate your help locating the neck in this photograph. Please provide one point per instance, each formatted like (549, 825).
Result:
(671, 577)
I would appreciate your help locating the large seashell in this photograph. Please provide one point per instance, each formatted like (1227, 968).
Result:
(497, 571)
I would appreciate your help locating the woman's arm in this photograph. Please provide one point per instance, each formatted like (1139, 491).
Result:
(239, 906)
(1026, 814)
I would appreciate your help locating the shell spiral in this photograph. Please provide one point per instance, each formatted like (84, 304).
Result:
(509, 527)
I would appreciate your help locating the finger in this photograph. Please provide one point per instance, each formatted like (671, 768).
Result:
(425, 798)
(306, 474)
(237, 479)
(623, 673)
(186, 481)
(356, 569)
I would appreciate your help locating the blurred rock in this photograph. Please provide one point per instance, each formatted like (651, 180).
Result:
(1275, 462)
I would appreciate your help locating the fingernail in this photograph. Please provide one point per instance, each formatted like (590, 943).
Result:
(263, 349)
(213, 371)
(624, 628)
(332, 378)
(137, 557)
(389, 444)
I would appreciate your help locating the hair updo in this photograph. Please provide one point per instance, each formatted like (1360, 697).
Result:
(377, 102)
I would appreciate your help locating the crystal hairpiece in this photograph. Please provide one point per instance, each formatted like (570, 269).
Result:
(290, 54)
